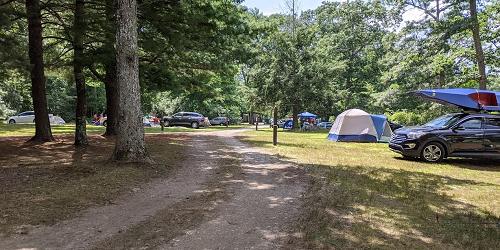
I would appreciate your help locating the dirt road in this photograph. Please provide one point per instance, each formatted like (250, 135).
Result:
(227, 195)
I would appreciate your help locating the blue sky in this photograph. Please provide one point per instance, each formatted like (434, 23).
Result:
(269, 7)
(276, 6)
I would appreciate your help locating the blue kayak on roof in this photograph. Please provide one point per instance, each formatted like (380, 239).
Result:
(469, 99)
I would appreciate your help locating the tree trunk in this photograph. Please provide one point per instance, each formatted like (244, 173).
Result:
(110, 68)
(111, 99)
(78, 62)
(440, 80)
(251, 118)
(477, 44)
(43, 132)
(130, 146)
(295, 115)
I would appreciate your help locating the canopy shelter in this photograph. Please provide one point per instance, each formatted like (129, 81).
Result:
(356, 125)
(307, 115)
(469, 99)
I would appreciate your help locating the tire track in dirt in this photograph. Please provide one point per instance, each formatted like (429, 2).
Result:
(263, 207)
(226, 195)
(97, 224)
(186, 214)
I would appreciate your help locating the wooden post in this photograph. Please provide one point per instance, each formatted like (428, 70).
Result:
(275, 126)
(256, 123)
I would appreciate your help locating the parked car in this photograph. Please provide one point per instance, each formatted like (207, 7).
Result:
(24, 117)
(280, 123)
(192, 119)
(325, 125)
(461, 135)
(104, 122)
(29, 117)
(220, 121)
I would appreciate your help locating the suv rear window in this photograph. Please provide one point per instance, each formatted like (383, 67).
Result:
(474, 123)
(493, 123)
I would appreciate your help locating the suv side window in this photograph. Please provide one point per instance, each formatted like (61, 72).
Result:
(493, 123)
(474, 123)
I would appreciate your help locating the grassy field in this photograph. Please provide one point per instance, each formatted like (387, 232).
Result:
(363, 195)
(7, 130)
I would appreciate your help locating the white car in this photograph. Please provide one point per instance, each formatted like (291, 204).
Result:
(24, 117)
(29, 117)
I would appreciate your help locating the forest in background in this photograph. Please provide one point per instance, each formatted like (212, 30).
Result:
(221, 58)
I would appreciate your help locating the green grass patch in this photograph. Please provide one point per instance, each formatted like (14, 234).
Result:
(8, 130)
(365, 196)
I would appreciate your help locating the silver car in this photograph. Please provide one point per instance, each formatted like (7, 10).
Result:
(220, 121)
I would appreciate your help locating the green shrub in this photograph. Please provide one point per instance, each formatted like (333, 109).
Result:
(407, 118)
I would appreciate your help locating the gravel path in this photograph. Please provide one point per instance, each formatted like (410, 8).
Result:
(263, 202)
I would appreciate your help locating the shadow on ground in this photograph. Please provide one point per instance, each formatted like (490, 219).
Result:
(354, 207)
(344, 206)
(367, 205)
(42, 184)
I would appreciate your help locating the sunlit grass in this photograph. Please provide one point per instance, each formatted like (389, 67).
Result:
(364, 195)
(7, 130)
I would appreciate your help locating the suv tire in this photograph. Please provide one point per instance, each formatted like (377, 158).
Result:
(195, 125)
(432, 152)
(166, 123)
(12, 121)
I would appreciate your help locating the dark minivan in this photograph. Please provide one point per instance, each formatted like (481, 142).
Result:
(460, 135)
(191, 119)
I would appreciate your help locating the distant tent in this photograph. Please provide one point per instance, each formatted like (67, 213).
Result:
(307, 115)
(356, 125)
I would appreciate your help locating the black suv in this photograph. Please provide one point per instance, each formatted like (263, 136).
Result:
(191, 119)
(461, 135)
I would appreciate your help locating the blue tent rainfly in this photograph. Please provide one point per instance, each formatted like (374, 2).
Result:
(307, 115)
(471, 99)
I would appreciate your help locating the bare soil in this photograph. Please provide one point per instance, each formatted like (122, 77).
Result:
(208, 191)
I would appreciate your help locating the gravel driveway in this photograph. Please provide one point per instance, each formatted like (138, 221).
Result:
(227, 195)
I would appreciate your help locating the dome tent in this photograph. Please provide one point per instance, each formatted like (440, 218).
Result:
(355, 125)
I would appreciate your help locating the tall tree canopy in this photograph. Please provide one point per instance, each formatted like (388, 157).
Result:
(219, 58)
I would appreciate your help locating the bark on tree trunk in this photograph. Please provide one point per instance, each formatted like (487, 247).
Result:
(110, 68)
(477, 44)
(111, 99)
(295, 111)
(43, 132)
(130, 138)
(78, 62)
(251, 118)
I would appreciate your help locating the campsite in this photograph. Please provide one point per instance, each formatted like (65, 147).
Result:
(249, 124)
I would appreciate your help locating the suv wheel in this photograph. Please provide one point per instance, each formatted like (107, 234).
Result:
(166, 123)
(432, 152)
(195, 125)
(12, 121)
